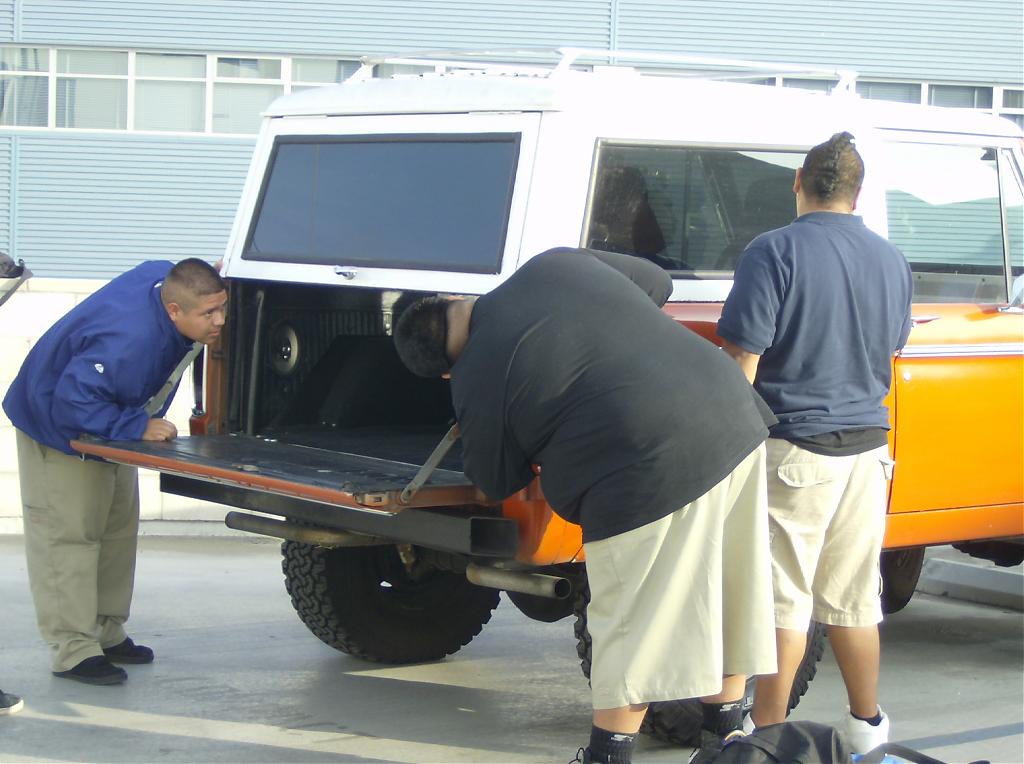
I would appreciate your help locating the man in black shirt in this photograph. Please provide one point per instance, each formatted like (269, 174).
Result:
(650, 438)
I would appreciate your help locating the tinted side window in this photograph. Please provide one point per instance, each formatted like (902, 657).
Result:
(944, 213)
(691, 210)
(437, 202)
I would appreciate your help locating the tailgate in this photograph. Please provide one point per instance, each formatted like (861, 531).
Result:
(291, 469)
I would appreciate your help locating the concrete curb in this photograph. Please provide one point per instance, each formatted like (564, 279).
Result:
(999, 587)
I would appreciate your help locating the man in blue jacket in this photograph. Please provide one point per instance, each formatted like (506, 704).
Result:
(109, 369)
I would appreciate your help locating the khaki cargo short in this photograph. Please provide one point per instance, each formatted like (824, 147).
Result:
(827, 520)
(679, 602)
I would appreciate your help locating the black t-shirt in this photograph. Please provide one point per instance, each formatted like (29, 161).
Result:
(571, 365)
(843, 442)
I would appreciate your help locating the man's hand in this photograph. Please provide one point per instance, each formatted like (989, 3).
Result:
(160, 429)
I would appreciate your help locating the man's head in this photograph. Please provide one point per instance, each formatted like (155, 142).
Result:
(431, 333)
(196, 300)
(831, 175)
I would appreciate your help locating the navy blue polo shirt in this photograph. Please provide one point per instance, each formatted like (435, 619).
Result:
(825, 302)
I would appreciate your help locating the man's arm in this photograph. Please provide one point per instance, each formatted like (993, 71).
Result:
(747, 324)
(85, 401)
(748, 361)
(492, 460)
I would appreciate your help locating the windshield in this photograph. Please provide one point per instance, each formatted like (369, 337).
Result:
(427, 202)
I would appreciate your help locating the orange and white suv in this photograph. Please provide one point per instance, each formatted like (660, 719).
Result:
(369, 193)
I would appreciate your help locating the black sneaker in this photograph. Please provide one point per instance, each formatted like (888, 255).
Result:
(711, 744)
(95, 670)
(10, 704)
(582, 757)
(128, 652)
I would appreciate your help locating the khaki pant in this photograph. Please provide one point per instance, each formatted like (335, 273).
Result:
(81, 530)
(827, 521)
(679, 602)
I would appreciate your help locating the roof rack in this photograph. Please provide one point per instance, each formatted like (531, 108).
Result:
(547, 62)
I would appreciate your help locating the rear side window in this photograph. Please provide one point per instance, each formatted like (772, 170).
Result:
(428, 202)
(690, 210)
(945, 213)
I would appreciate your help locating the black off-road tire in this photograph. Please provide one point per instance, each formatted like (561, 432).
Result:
(901, 570)
(364, 602)
(679, 721)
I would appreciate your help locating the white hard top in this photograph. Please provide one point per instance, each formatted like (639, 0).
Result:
(487, 87)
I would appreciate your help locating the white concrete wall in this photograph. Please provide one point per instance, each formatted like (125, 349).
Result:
(36, 305)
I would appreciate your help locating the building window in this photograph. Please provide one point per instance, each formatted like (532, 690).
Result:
(904, 92)
(24, 86)
(244, 87)
(170, 92)
(249, 68)
(961, 96)
(314, 72)
(92, 89)
(1012, 101)
(822, 85)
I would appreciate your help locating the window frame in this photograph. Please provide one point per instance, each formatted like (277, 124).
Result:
(1008, 171)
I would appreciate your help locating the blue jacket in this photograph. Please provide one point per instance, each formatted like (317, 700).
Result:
(95, 369)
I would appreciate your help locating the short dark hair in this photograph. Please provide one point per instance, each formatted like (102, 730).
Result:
(833, 169)
(190, 279)
(421, 337)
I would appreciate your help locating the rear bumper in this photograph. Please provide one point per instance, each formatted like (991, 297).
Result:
(477, 535)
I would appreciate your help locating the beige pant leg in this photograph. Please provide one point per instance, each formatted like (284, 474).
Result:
(81, 519)
(681, 600)
(748, 627)
(116, 572)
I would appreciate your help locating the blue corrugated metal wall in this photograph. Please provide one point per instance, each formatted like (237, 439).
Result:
(944, 40)
(317, 27)
(952, 40)
(7, 19)
(6, 190)
(89, 205)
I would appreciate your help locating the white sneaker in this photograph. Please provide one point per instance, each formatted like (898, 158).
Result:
(10, 704)
(861, 736)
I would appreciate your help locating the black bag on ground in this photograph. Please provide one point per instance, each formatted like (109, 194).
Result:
(788, 743)
(893, 752)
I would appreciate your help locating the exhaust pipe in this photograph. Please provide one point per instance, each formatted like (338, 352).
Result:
(537, 584)
(281, 529)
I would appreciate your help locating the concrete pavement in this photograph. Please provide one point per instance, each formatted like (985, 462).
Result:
(239, 679)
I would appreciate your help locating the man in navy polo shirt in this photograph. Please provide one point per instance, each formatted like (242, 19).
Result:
(817, 310)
